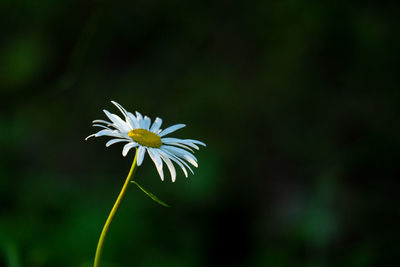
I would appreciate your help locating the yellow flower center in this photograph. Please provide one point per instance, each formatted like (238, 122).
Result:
(145, 138)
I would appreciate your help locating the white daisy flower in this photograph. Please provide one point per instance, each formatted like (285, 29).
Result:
(138, 131)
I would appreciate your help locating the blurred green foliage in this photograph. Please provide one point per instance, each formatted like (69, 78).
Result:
(296, 100)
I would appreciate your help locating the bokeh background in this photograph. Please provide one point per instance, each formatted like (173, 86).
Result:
(296, 100)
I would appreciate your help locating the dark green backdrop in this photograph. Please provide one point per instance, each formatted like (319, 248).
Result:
(296, 100)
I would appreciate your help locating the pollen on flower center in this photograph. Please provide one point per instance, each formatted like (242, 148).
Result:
(145, 138)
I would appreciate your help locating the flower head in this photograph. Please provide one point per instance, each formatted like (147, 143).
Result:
(138, 131)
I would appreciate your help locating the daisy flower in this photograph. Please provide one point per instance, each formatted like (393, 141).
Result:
(138, 131)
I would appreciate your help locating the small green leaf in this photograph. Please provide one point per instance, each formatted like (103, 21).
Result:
(152, 196)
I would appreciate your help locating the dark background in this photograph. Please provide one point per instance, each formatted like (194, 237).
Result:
(296, 100)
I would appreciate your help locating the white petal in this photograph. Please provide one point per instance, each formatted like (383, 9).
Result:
(169, 165)
(113, 141)
(147, 122)
(107, 132)
(182, 153)
(123, 111)
(169, 140)
(140, 155)
(154, 155)
(110, 116)
(171, 129)
(196, 142)
(139, 115)
(156, 125)
(92, 135)
(140, 121)
(178, 159)
(102, 121)
(191, 161)
(180, 145)
(101, 126)
(177, 162)
(118, 122)
(129, 117)
(178, 151)
(128, 147)
(132, 120)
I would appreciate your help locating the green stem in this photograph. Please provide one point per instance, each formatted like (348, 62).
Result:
(112, 213)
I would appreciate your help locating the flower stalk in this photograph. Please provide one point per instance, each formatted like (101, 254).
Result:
(117, 203)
